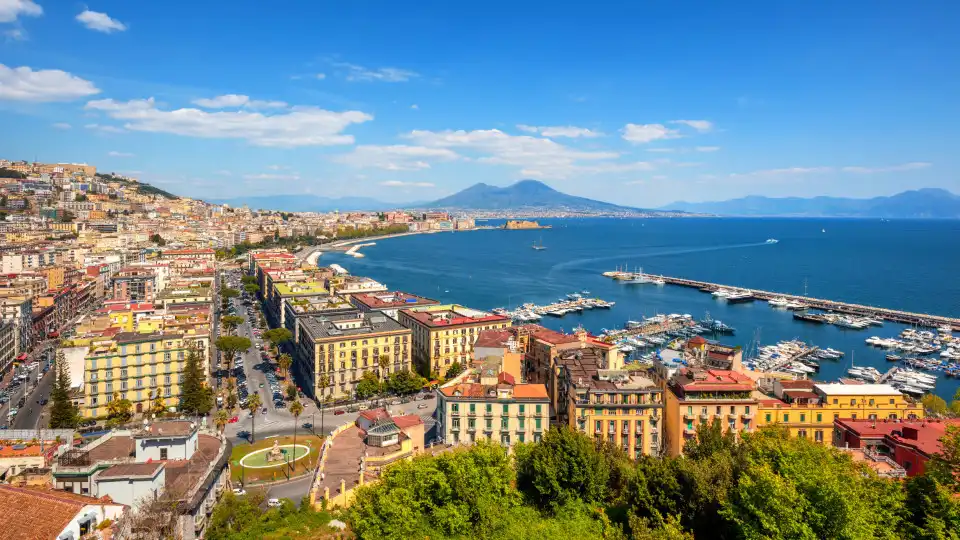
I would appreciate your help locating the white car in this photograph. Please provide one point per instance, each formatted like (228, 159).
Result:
(273, 503)
(239, 491)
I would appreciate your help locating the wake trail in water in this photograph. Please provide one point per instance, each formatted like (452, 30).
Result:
(581, 262)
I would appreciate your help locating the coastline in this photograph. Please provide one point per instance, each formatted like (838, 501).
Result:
(311, 254)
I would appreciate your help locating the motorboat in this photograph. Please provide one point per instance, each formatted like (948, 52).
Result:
(779, 302)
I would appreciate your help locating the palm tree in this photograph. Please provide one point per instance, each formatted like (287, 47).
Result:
(324, 382)
(285, 361)
(296, 409)
(221, 419)
(253, 404)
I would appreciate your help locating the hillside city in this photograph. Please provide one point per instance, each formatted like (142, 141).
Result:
(173, 368)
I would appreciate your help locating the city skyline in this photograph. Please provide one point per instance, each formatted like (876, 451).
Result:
(640, 105)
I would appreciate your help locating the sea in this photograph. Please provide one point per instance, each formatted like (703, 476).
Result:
(911, 265)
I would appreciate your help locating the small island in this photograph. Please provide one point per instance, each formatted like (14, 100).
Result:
(519, 224)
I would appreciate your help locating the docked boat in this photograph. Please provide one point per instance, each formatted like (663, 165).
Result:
(893, 358)
(772, 240)
(809, 317)
(739, 297)
(779, 302)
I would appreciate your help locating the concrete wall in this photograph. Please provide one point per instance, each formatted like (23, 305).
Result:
(130, 491)
(177, 448)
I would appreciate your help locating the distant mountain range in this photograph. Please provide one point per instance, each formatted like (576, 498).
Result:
(307, 203)
(931, 203)
(523, 195)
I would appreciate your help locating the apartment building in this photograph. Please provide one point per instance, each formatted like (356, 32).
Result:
(621, 407)
(135, 365)
(132, 284)
(444, 334)
(696, 396)
(809, 410)
(492, 406)
(389, 303)
(8, 345)
(343, 347)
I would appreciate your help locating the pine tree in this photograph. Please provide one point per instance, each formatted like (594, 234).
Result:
(63, 415)
(195, 397)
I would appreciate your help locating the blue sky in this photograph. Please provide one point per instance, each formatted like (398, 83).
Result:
(640, 102)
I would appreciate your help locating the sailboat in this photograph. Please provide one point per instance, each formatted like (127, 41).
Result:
(539, 246)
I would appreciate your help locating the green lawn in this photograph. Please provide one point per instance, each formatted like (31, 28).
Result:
(301, 466)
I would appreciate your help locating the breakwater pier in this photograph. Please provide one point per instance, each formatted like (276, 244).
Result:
(906, 317)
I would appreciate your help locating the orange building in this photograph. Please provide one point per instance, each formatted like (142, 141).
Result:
(700, 396)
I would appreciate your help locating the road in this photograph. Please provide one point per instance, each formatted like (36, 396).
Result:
(30, 415)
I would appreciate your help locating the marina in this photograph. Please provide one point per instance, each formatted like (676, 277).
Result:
(864, 315)
(573, 303)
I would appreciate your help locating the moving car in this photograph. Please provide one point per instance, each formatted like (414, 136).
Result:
(238, 491)
(273, 503)
(233, 420)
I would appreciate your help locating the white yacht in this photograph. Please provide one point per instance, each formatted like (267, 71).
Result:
(779, 302)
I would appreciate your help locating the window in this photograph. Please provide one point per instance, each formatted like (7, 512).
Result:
(504, 423)
(538, 409)
(520, 436)
(163, 453)
(455, 408)
(689, 409)
(489, 408)
(733, 410)
(536, 424)
(769, 418)
(489, 424)
(853, 401)
(819, 417)
(802, 434)
(871, 402)
(803, 418)
(786, 417)
(471, 424)
(818, 435)
(522, 422)
(455, 424)
(598, 425)
(506, 409)
(746, 410)
(522, 407)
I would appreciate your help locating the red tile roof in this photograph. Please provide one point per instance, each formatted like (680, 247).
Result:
(407, 420)
(922, 435)
(38, 513)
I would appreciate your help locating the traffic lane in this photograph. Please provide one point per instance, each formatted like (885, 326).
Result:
(295, 490)
(29, 416)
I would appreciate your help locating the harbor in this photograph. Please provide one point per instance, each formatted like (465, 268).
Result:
(573, 303)
(867, 314)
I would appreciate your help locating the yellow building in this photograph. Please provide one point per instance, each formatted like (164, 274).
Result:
(493, 408)
(184, 295)
(55, 276)
(445, 334)
(621, 407)
(701, 396)
(343, 347)
(808, 410)
(135, 365)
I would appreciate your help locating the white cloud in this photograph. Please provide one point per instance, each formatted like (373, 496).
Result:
(560, 131)
(101, 22)
(269, 176)
(105, 128)
(62, 125)
(397, 183)
(398, 157)
(15, 34)
(537, 157)
(415, 107)
(278, 167)
(223, 172)
(702, 126)
(662, 150)
(300, 126)
(114, 153)
(708, 148)
(387, 74)
(25, 84)
(320, 76)
(644, 133)
(235, 101)
(913, 166)
(11, 9)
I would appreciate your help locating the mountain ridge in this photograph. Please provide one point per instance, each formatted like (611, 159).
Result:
(923, 203)
(524, 194)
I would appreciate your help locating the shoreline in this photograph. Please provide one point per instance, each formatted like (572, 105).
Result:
(314, 252)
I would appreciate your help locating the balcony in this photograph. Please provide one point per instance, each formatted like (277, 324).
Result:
(625, 431)
(689, 432)
(612, 431)
(598, 431)
(732, 415)
(688, 416)
(471, 428)
(704, 416)
(747, 416)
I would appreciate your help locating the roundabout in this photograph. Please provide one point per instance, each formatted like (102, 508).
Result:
(275, 457)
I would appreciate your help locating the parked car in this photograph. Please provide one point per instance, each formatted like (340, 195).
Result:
(239, 491)
(338, 412)
(422, 406)
(233, 420)
(273, 503)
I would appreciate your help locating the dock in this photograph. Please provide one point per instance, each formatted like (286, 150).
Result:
(906, 317)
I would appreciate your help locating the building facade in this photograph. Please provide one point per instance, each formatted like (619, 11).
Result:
(444, 334)
(499, 411)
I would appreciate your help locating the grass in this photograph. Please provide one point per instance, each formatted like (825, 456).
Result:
(281, 471)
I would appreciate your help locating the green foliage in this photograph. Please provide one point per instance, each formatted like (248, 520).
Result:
(291, 392)
(119, 410)
(195, 396)
(347, 233)
(934, 404)
(10, 173)
(248, 279)
(231, 345)
(251, 288)
(227, 292)
(63, 415)
(276, 336)
(455, 369)
(231, 322)
(241, 518)
(368, 386)
(563, 467)
(253, 405)
(405, 382)
(157, 239)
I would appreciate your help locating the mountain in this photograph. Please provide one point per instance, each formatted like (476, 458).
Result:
(525, 194)
(307, 203)
(932, 203)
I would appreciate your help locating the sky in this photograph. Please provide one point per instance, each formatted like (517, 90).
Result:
(640, 103)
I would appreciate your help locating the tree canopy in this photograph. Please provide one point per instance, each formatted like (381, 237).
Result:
(368, 386)
(231, 345)
(195, 396)
(405, 382)
(63, 415)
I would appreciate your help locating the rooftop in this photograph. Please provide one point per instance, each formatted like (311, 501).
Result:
(21, 510)
(348, 324)
(292, 288)
(838, 389)
(167, 428)
(388, 300)
(127, 470)
(451, 315)
(922, 435)
(711, 380)
(534, 392)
